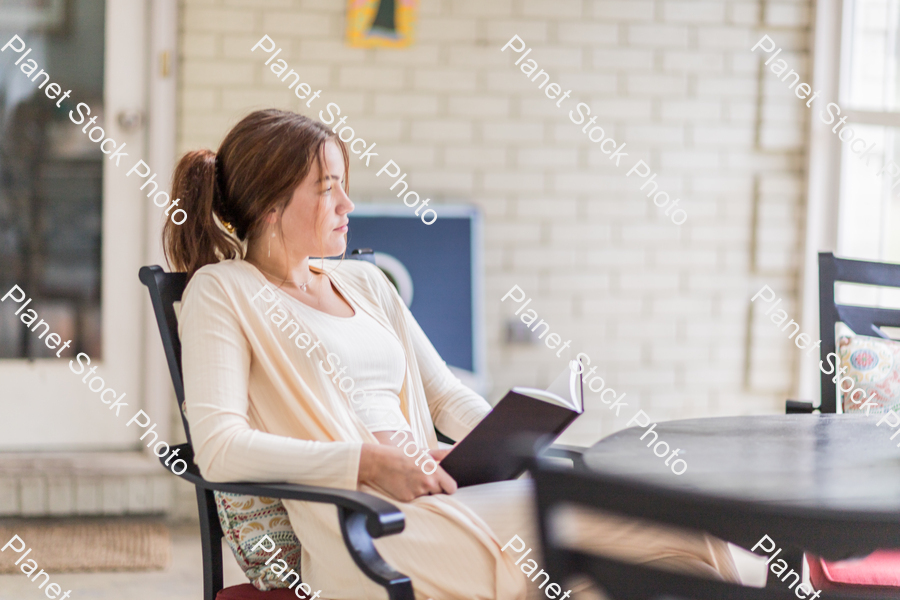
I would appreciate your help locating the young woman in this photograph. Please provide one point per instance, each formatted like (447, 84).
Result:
(265, 330)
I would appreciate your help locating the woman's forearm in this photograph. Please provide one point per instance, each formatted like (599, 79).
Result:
(370, 459)
(226, 449)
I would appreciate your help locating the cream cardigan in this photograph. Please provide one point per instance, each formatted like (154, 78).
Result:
(261, 410)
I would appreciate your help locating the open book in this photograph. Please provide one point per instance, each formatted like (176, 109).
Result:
(483, 455)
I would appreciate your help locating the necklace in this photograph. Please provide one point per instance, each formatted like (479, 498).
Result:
(301, 286)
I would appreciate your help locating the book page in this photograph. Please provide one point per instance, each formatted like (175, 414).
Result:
(544, 395)
(566, 390)
(576, 386)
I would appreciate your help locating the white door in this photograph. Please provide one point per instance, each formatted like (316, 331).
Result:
(72, 224)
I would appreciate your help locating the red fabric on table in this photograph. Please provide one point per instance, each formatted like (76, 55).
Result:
(246, 591)
(881, 569)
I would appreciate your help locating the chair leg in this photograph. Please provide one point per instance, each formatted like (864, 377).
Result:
(401, 591)
(211, 542)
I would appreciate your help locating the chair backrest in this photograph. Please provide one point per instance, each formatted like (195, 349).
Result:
(739, 521)
(862, 320)
(165, 290)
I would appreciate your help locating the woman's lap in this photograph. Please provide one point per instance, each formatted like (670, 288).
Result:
(508, 508)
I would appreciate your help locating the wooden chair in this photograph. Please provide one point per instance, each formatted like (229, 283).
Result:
(878, 571)
(362, 517)
(558, 489)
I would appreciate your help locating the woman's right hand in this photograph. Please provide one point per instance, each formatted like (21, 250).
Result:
(389, 470)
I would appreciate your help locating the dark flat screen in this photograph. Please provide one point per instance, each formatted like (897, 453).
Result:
(439, 260)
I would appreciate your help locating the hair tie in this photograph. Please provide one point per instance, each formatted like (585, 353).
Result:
(220, 194)
(220, 180)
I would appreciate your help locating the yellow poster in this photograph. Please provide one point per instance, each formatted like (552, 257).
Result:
(381, 23)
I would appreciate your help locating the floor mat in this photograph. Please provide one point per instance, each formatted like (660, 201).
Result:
(85, 544)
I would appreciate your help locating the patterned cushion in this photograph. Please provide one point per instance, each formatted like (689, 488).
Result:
(874, 365)
(245, 520)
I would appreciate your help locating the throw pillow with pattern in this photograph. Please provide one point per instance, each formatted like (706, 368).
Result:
(874, 365)
(245, 520)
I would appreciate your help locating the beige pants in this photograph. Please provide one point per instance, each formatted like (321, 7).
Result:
(508, 508)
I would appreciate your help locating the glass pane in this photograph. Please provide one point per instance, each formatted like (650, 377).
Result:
(869, 216)
(865, 206)
(873, 81)
(50, 174)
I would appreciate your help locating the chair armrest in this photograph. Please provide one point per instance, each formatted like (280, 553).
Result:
(443, 438)
(362, 516)
(573, 453)
(383, 518)
(792, 407)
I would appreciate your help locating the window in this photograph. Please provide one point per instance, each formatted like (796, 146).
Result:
(868, 224)
(51, 180)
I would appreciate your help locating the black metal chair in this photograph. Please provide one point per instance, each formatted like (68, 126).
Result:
(362, 516)
(558, 489)
(863, 320)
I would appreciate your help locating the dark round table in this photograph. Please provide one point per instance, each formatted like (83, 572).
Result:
(834, 461)
(831, 462)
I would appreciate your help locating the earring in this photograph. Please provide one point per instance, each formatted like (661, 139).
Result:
(270, 244)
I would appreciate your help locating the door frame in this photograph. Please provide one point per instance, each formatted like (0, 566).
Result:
(822, 183)
(132, 481)
(162, 74)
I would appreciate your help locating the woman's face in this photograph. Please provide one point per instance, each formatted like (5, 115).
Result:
(315, 220)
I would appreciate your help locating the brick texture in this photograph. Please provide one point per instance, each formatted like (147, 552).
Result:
(663, 310)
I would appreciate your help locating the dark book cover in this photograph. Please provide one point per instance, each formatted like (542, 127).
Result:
(484, 455)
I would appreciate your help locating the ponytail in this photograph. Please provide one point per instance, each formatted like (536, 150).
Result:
(200, 240)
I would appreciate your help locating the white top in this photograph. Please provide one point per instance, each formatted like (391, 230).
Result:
(364, 360)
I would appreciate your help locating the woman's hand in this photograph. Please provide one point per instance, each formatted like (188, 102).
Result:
(389, 470)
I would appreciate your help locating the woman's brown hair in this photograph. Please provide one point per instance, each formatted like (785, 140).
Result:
(259, 164)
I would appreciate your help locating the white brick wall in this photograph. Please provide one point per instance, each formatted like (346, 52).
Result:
(663, 310)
